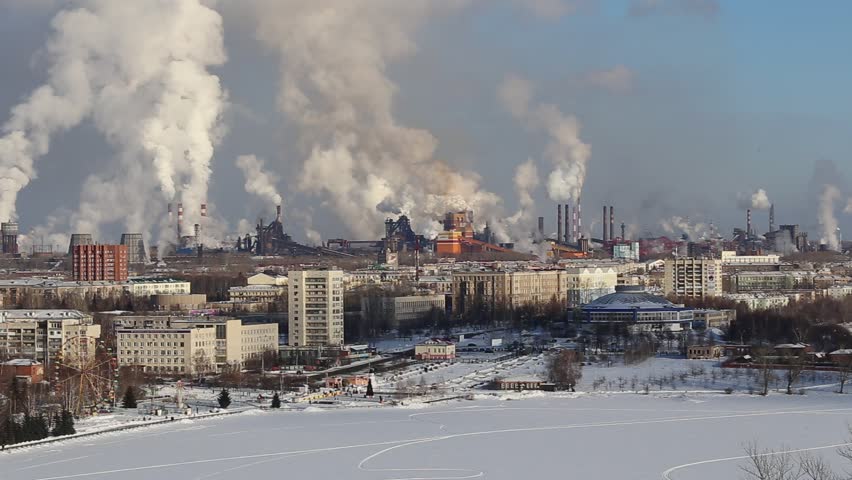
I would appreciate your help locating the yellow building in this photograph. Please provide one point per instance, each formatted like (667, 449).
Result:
(508, 289)
(42, 334)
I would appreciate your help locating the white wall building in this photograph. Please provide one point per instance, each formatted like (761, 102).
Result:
(42, 334)
(145, 287)
(730, 258)
(315, 307)
(586, 284)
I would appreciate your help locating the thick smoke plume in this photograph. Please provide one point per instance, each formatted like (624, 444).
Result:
(757, 200)
(565, 150)
(259, 181)
(139, 71)
(827, 220)
(334, 86)
(677, 225)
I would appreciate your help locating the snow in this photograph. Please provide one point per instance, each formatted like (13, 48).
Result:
(535, 435)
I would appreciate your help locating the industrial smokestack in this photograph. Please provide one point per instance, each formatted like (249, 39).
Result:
(567, 222)
(559, 223)
(748, 222)
(541, 227)
(574, 233)
(179, 221)
(278, 212)
(579, 220)
(604, 237)
(772, 217)
(611, 222)
(623, 236)
(203, 209)
(197, 234)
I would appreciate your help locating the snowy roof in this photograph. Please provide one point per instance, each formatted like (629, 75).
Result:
(630, 296)
(522, 379)
(842, 351)
(45, 314)
(22, 362)
(435, 341)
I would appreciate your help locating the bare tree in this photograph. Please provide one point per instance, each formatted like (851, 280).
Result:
(769, 465)
(795, 363)
(844, 368)
(565, 369)
(765, 374)
(814, 467)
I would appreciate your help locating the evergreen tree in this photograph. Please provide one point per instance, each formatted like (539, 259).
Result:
(276, 401)
(224, 398)
(129, 400)
(67, 421)
(57, 425)
(370, 388)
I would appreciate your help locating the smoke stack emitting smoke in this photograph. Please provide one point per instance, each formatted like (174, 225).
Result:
(134, 71)
(827, 220)
(259, 181)
(757, 200)
(566, 151)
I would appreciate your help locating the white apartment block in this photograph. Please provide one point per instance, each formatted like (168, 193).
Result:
(145, 287)
(730, 258)
(315, 307)
(42, 334)
(693, 277)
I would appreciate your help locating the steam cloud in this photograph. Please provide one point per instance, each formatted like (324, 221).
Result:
(848, 208)
(758, 200)
(827, 220)
(259, 181)
(682, 226)
(565, 150)
(134, 69)
(334, 87)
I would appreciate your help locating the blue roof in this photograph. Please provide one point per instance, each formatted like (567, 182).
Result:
(629, 297)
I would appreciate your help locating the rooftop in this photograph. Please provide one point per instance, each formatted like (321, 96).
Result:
(42, 314)
(630, 297)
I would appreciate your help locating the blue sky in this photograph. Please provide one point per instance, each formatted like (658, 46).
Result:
(751, 96)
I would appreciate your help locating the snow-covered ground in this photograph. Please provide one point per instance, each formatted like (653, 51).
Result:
(517, 435)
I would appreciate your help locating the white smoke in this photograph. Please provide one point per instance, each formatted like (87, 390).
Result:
(757, 200)
(827, 220)
(517, 227)
(46, 235)
(335, 88)
(565, 150)
(259, 181)
(677, 225)
(139, 70)
(848, 208)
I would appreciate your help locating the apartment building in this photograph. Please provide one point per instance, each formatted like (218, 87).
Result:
(145, 287)
(508, 289)
(315, 307)
(693, 277)
(399, 310)
(744, 282)
(234, 342)
(41, 334)
(99, 262)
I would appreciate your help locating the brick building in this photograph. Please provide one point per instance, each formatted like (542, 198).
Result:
(100, 262)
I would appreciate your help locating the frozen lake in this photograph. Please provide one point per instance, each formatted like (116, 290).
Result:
(614, 436)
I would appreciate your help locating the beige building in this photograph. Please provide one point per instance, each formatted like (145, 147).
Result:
(192, 301)
(256, 293)
(704, 352)
(693, 277)
(399, 310)
(315, 307)
(509, 289)
(168, 350)
(233, 341)
(730, 258)
(264, 279)
(435, 349)
(145, 287)
(586, 284)
(42, 334)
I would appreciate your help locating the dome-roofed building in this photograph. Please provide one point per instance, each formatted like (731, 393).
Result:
(639, 310)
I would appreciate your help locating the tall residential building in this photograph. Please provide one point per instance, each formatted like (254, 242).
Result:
(41, 334)
(315, 307)
(693, 277)
(99, 262)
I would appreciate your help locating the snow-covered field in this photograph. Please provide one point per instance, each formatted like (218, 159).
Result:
(534, 435)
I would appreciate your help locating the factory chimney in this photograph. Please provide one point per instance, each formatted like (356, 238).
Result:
(611, 222)
(623, 236)
(541, 227)
(574, 233)
(604, 238)
(559, 223)
(197, 234)
(772, 217)
(179, 222)
(579, 220)
(278, 213)
(203, 217)
(748, 222)
(567, 223)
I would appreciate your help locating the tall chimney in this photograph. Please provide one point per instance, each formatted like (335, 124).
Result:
(748, 222)
(567, 223)
(611, 222)
(203, 209)
(772, 217)
(278, 212)
(604, 238)
(579, 220)
(623, 236)
(179, 221)
(541, 227)
(559, 223)
(574, 233)
(197, 234)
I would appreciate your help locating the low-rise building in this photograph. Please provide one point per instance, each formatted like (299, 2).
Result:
(179, 302)
(744, 282)
(401, 310)
(704, 352)
(265, 279)
(638, 310)
(730, 258)
(435, 349)
(257, 293)
(709, 318)
(169, 350)
(760, 301)
(519, 383)
(28, 370)
(145, 287)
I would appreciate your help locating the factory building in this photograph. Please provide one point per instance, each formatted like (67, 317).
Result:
(693, 277)
(99, 263)
(315, 307)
